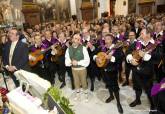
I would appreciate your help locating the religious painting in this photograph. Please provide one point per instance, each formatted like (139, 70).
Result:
(63, 9)
(145, 9)
(56, 10)
(48, 11)
(131, 6)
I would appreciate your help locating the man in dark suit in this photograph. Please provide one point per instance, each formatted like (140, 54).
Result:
(137, 29)
(15, 55)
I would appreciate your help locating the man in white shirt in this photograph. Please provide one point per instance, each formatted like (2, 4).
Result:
(77, 57)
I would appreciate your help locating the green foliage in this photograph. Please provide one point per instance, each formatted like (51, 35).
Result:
(61, 100)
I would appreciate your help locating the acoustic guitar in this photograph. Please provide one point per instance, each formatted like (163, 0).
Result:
(39, 55)
(60, 52)
(102, 55)
(148, 49)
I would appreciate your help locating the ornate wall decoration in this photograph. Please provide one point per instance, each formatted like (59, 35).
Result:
(131, 6)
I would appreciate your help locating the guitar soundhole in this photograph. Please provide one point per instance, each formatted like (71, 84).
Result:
(23, 87)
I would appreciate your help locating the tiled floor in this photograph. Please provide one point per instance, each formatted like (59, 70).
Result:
(96, 103)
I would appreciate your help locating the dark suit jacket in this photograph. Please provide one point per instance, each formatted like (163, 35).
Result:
(138, 32)
(20, 55)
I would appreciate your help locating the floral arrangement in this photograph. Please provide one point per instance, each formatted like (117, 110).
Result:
(64, 103)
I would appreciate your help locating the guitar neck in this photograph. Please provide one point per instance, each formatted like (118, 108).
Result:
(117, 45)
(48, 48)
(109, 51)
(151, 47)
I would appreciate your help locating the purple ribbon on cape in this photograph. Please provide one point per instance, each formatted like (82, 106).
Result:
(157, 88)
(138, 45)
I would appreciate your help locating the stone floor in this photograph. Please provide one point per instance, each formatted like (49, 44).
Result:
(96, 104)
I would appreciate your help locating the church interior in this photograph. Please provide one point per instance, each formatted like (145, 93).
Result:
(82, 56)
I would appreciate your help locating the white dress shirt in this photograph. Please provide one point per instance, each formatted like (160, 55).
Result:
(12, 48)
(85, 62)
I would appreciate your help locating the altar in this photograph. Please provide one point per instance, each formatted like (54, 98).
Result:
(36, 96)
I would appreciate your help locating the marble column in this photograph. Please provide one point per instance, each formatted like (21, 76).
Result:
(78, 6)
(73, 7)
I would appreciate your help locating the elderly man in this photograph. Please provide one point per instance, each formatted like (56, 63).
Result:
(77, 57)
(142, 72)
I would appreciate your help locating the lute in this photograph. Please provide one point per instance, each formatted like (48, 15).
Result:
(102, 55)
(148, 49)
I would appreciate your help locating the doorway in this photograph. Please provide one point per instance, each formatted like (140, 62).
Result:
(112, 7)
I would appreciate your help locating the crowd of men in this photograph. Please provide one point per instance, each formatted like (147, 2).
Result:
(135, 41)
